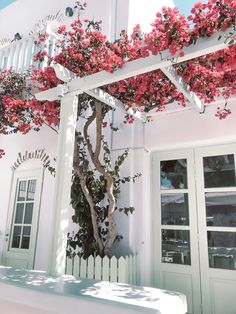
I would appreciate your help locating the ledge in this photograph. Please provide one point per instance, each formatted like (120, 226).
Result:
(66, 294)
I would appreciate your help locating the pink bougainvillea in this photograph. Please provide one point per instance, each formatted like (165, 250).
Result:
(85, 50)
(2, 153)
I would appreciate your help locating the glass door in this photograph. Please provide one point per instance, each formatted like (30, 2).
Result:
(216, 191)
(22, 221)
(175, 212)
(176, 259)
(21, 229)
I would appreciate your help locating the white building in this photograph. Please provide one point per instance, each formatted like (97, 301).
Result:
(183, 227)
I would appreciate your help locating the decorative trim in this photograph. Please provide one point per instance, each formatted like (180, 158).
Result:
(37, 154)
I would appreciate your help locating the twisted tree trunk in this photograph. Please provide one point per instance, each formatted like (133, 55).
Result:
(79, 171)
(94, 155)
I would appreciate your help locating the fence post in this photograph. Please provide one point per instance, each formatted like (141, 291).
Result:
(83, 268)
(98, 268)
(69, 266)
(122, 271)
(90, 270)
(105, 268)
(113, 269)
(76, 266)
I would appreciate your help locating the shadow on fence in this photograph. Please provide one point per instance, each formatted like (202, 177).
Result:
(123, 269)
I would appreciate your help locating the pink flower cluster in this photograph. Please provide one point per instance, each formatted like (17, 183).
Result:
(85, 50)
(222, 113)
(170, 31)
(152, 91)
(2, 153)
(19, 111)
(211, 17)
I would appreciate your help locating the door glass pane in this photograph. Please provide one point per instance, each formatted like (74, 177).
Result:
(174, 209)
(19, 213)
(28, 213)
(222, 249)
(26, 238)
(176, 246)
(31, 190)
(16, 237)
(219, 171)
(22, 190)
(221, 209)
(174, 174)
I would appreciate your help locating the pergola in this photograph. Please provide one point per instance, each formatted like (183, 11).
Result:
(91, 84)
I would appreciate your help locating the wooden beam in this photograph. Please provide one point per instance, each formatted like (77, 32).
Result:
(153, 62)
(67, 76)
(203, 46)
(194, 100)
(55, 93)
(106, 98)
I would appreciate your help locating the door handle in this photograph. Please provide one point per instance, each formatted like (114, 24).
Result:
(6, 237)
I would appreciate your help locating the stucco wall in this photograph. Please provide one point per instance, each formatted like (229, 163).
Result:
(26, 14)
(13, 144)
(171, 131)
(115, 14)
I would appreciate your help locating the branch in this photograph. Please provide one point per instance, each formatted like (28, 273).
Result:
(86, 137)
(99, 118)
(79, 171)
(107, 175)
(55, 130)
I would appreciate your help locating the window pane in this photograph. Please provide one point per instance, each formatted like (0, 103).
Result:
(174, 209)
(174, 174)
(176, 246)
(26, 238)
(16, 237)
(31, 190)
(28, 213)
(221, 209)
(22, 190)
(219, 171)
(222, 249)
(19, 213)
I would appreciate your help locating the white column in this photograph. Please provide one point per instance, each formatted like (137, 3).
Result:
(61, 208)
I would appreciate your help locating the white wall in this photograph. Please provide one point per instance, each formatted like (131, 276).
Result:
(13, 144)
(189, 128)
(115, 14)
(27, 13)
(182, 129)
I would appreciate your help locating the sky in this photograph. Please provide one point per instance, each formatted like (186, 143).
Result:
(4, 3)
(185, 6)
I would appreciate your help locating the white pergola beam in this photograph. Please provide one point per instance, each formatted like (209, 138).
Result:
(202, 47)
(106, 98)
(67, 76)
(194, 100)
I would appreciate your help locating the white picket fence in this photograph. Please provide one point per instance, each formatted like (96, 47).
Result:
(123, 269)
(20, 53)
